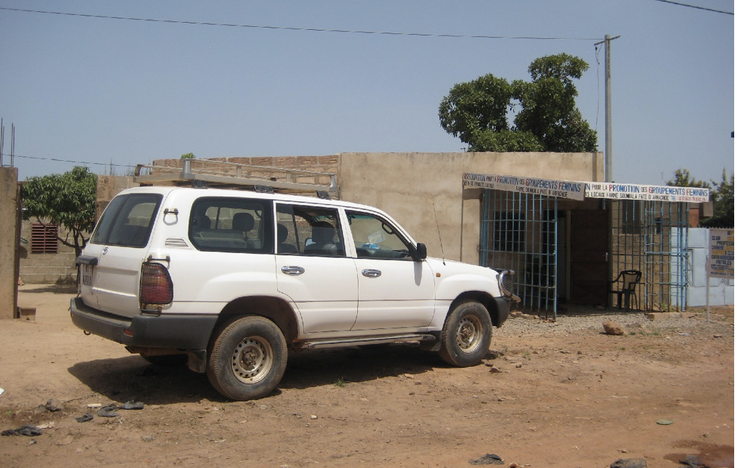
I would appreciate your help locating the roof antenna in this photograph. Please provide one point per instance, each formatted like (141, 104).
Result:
(442, 251)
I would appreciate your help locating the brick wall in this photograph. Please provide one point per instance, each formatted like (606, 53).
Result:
(46, 268)
(303, 169)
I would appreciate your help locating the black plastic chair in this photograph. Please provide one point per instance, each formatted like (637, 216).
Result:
(627, 281)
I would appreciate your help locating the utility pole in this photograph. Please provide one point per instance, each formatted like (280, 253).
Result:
(608, 154)
(608, 106)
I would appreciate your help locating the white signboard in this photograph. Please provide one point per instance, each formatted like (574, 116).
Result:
(720, 263)
(551, 188)
(615, 191)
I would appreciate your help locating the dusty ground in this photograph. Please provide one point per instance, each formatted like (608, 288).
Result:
(542, 398)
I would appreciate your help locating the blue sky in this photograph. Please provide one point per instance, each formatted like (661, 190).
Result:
(101, 91)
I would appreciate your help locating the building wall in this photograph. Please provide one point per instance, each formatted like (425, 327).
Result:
(423, 191)
(108, 187)
(9, 196)
(46, 268)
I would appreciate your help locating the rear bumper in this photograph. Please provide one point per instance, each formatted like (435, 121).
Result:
(184, 332)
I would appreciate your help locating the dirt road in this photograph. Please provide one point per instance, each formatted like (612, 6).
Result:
(547, 395)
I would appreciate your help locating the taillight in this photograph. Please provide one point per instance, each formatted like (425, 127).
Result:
(156, 285)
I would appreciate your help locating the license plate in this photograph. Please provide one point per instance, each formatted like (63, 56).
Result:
(87, 271)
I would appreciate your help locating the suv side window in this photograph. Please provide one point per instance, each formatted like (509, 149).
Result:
(128, 220)
(376, 238)
(231, 225)
(307, 230)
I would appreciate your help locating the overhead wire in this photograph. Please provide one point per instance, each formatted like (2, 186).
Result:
(299, 29)
(90, 163)
(697, 7)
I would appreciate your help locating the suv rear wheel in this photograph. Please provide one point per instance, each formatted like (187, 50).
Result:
(247, 358)
(466, 335)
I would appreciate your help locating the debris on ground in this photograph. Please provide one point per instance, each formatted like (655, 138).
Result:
(132, 405)
(52, 406)
(85, 417)
(612, 328)
(692, 461)
(629, 463)
(108, 411)
(24, 430)
(488, 459)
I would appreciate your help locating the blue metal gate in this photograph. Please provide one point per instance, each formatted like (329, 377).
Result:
(519, 231)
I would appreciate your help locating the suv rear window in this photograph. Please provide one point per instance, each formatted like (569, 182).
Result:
(128, 220)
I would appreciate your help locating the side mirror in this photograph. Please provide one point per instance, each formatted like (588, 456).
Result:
(420, 252)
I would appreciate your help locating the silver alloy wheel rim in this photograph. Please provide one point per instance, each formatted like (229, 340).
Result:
(252, 359)
(468, 336)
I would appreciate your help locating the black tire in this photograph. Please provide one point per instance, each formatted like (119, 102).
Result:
(167, 360)
(466, 335)
(247, 359)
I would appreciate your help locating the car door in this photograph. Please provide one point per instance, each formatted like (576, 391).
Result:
(312, 267)
(394, 291)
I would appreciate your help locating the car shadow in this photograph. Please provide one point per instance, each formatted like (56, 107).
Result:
(133, 378)
(315, 368)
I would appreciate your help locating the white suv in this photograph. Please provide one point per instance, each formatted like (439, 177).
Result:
(228, 281)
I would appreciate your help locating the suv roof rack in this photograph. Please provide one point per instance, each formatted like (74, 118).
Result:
(236, 176)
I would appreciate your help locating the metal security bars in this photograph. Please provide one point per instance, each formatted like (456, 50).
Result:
(652, 237)
(519, 231)
(666, 255)
(559, 250)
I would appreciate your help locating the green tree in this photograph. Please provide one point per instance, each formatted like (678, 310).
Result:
(722, 196)
(682, 178)
(188, 156)
(478, 112)
(65, 199)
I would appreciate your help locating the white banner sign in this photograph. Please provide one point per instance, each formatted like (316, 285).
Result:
(612, 190)
(720, 263)
(551, 188)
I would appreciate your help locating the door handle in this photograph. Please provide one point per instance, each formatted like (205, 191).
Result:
(369, 273)
(292, 270)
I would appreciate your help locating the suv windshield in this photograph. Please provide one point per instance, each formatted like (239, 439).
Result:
(128, 220)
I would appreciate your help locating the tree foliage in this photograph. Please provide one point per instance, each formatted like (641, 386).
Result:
(478, 111)
(65, 199)
(722, 196)
(682, 178)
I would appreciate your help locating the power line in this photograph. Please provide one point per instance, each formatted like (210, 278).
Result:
(71, 161)
(696, 7)
(299, 29)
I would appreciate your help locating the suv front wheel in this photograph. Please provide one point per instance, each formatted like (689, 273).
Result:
(466, 335)
(247, 358)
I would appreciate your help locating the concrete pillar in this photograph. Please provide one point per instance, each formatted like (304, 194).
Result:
(9, 238)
